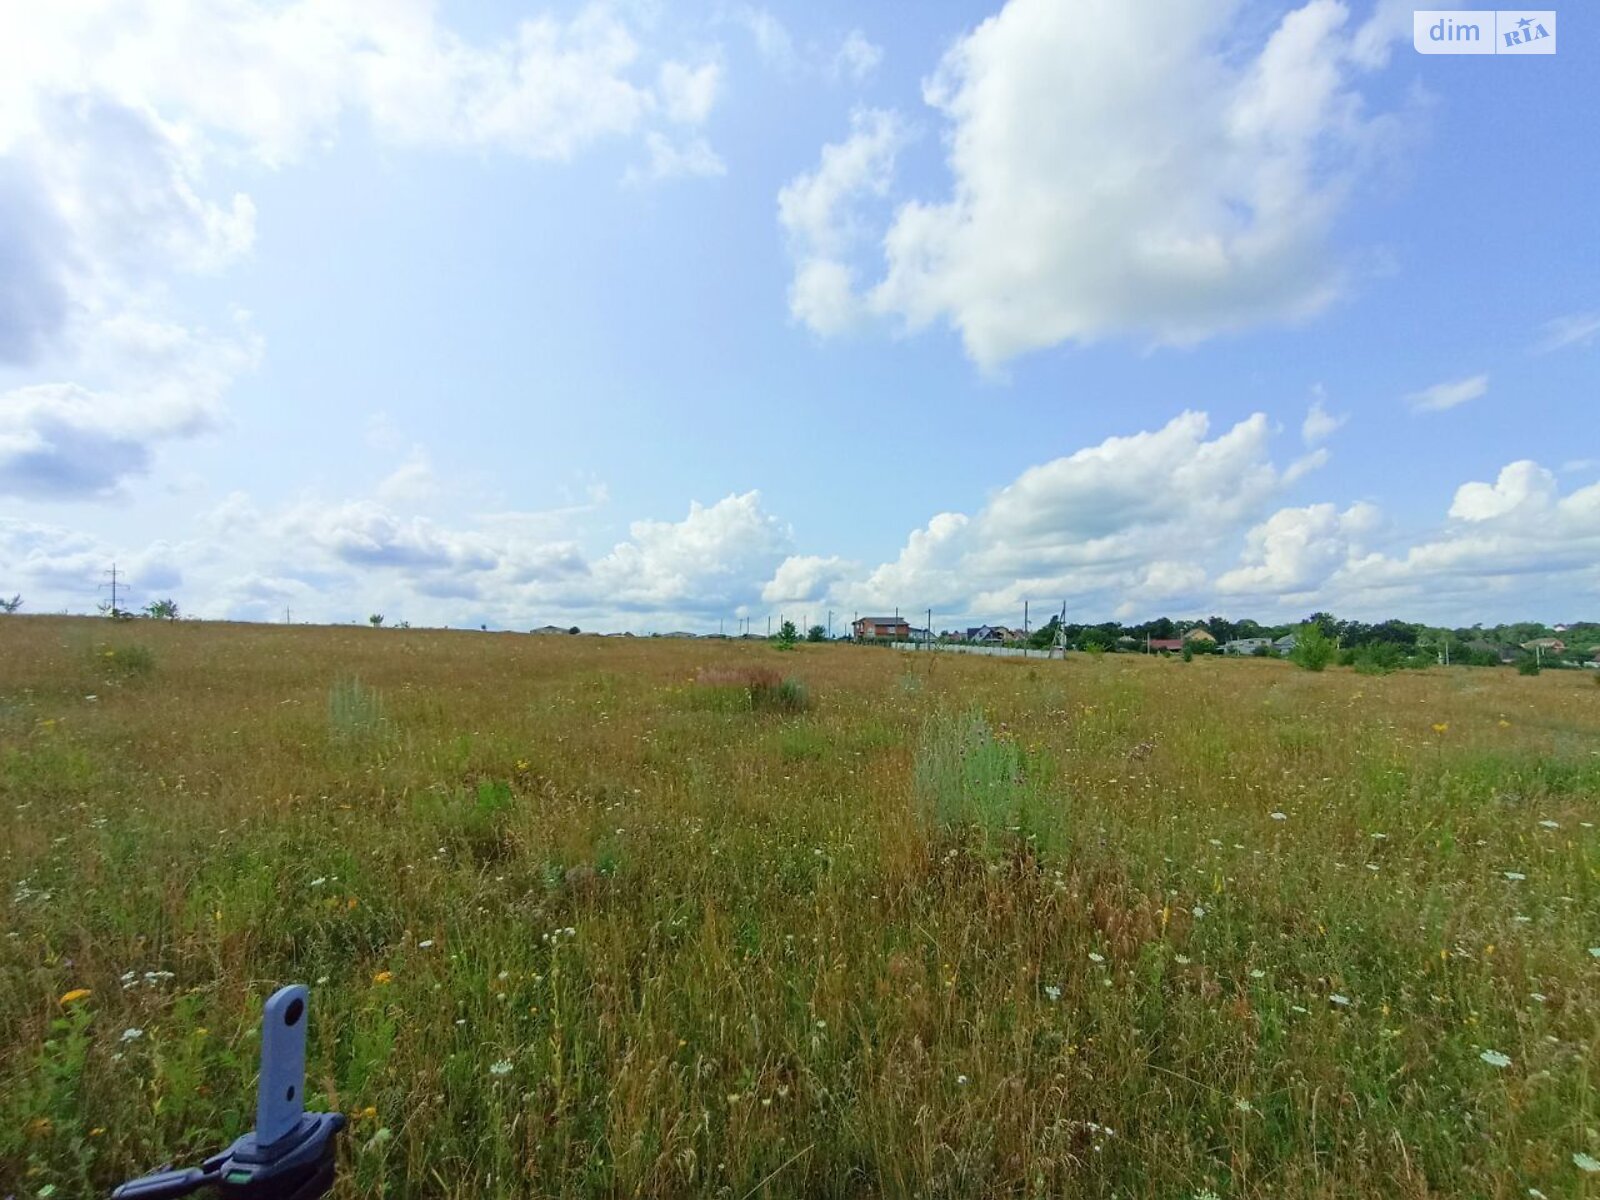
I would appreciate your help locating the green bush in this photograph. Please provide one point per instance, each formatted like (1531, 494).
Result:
(1528, 666)
(1313, 649)
(786, 695)
(966, 778)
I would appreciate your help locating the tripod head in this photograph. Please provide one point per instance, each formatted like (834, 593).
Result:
(289, 1155)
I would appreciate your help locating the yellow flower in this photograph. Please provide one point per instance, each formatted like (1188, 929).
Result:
(1504, 724)
(40, 1127)
(97, 1131)
(75, 995)
(369, 1111)
(383, 977)
(1441, 726)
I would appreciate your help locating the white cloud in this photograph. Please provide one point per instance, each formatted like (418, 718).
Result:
(63, 441)
(1296, 549)
(689, 94)
(857, 58)
(694, 158)
(1442, 396)
(1577, 329)
(818, 212)
(771, 36)
(803, 578)
(1523, 487)
(1320, 424)
(1132, 519)
(112, 116)
(1132, 168)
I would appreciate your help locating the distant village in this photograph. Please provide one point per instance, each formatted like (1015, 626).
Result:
(1386, 644)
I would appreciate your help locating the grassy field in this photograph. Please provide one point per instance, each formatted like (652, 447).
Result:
(577, 924)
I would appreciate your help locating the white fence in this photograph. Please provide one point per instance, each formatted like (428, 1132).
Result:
(963, 648)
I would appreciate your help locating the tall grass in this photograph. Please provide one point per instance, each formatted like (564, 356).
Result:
(1091, 928)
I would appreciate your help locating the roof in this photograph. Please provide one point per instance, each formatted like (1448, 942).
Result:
(1166, 643)
(882, 620)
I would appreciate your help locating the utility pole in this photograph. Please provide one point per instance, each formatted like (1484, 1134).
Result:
(286, 620)
(830, 624)
(1024, 629)
(930, 629)
(114, 581)
(769, 624)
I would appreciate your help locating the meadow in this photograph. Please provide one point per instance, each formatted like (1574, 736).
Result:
(589, 916)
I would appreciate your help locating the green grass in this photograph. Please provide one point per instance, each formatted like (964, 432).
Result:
(580, 919)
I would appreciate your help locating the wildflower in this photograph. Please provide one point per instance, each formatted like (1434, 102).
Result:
(1539, 996)
(502, 1067)
(961, 1081)
(1183, 960)
(1243, 1105)
(383, 977)
(1278, 816)
(1052, 992)
(319, 881)
(77, 994)
(1198, 911)
(131, 1034)
(1514, 876)
(368, 1112)
(425, 945)
(1594, 951)
(1495, 1059)
(1299, 1008)
(1585, 1163)
(1341, 1001)
(1258, 973)
(1096, 958)
(1441, 726)
(322, 980)
(1551, 824)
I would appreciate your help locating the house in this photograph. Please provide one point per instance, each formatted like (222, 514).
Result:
(1247, 645)
(549, 629)
(1286, 644)
(1199, 634)
(887, 628)
(1169, 644)
(1548, 645)
(921, 635)
(991, 635)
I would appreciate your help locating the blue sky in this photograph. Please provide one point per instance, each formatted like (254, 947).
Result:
(645, 316)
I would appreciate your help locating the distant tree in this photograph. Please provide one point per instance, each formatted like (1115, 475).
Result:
(788, 635)
(1096, 640)
(11, 605)
(1044, 637)
(817, 633)
(375, 620)
(574, 631)
(1313, 648)
(162, 610)
(1327, 622)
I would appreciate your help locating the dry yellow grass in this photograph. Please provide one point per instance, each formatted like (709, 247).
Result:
(573, 928)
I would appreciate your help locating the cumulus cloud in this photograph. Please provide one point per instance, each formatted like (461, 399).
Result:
(1133, 519)
(1296, 549)
(62, 441)
(113, 117)
(1129, 168)
(1442, 396)
(1509, 546)
(818, 212)
(802, 578)
(1320, 424)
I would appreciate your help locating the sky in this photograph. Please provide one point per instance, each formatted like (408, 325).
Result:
(649, 316)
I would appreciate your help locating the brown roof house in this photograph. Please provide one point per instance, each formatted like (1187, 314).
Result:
(888, 628)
